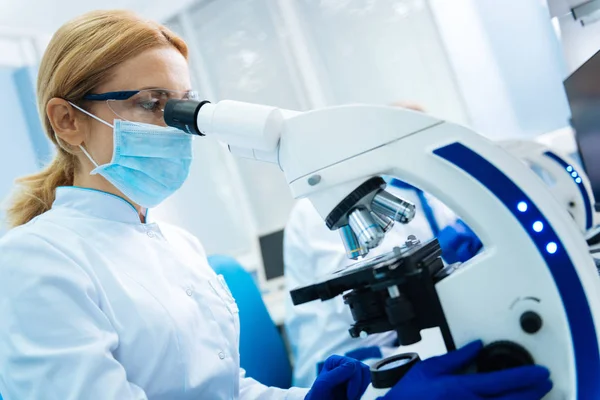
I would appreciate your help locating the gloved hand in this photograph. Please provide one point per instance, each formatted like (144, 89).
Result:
(458, 242)
(342, 378)
(435, 379)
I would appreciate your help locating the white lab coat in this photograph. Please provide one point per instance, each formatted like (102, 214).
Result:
(96, 305)
(318, 329)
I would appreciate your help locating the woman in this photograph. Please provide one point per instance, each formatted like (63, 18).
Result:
(97, 301)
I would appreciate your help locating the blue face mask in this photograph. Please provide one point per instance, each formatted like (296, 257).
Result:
(149, 162)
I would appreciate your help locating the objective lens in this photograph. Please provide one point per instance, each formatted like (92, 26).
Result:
(353, 247)
(393, 207)
(384, 222)
(365, 228)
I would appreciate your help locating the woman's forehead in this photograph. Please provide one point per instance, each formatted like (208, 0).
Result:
(163, 68)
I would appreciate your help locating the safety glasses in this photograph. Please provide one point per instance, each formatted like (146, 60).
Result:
(145, 106)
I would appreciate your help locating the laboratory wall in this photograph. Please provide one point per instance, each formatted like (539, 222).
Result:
(16, 152)
(380, 52)
(10, 52)
(25, 147)
(510, 78)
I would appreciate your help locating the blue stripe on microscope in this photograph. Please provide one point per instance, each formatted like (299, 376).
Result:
(542, 234)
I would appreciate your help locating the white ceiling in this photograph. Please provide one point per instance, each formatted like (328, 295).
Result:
(45, 16)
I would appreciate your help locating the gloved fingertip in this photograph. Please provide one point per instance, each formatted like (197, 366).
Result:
(349, 364)
(536, 372)
(470, 350)
(545, 371)
(475, 345)
(333, 361)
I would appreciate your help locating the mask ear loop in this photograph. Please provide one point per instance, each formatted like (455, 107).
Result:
(97, 119)
(88, 156)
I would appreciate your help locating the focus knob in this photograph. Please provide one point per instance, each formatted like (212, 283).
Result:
(502, 355)
(531, 322)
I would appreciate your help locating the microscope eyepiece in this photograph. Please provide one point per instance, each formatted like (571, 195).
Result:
(183, 114)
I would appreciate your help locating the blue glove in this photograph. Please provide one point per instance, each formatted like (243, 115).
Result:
(458, 242)
(342, 378)
(434, 379)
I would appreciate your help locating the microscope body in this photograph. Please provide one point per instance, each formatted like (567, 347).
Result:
(520, 270)
(534, 260)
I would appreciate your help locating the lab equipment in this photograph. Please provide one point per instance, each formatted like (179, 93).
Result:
(335, 157)
(149, 162)
(386, 373)
(271, 248)
(583, 92)
(316, 330)
(438, 377)
(365, 229)
(459, 243)
(565, 179)
(341, 378)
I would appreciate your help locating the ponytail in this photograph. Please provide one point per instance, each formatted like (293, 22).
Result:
(35, 193)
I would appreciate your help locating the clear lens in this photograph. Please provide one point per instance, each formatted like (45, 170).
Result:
(394, 364)
(147, 106)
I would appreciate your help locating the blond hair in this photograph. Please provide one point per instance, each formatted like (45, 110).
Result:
(80, 56)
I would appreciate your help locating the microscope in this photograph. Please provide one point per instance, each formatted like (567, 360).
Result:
(532, 294)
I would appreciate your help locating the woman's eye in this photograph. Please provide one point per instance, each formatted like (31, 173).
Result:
(150, 105)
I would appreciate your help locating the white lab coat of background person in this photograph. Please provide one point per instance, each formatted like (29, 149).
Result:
(318, 329)
(96, 305)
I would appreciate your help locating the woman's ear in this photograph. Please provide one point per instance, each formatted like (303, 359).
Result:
(65, 122)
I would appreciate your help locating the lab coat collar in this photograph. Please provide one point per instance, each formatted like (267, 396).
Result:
(97, 204)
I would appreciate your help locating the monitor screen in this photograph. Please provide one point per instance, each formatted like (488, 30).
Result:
(271, 247)
(583, 92)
